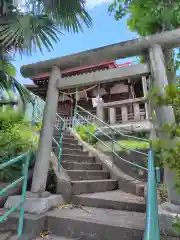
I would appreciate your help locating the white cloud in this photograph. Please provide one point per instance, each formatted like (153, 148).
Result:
(94, 3)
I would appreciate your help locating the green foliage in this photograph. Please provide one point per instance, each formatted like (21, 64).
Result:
(133, 144)
(163, 193)
(38, 126)
(87, 133)
(176, 224)
(150, 17)
(16, 137)
(8, 81)
(167, 148)
(38, 23)
(144, 135)
(147, 17)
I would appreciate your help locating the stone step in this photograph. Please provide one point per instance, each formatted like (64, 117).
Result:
(70, 140)
(96, 224)
(52, 237)
(116, 199)
(77, 158)
(7, 236)
(65, 138)
(91, 186)
(72, 146)
(68, 146)
(87, 174)
(58, 133)
(74, 152)
(81, 166)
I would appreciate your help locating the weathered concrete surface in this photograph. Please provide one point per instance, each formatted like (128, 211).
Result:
(129, 169)
(81, 166)
(35, 204)
(167, 214)
(117, 199)
(169, 179)
(33, 224)
(63, 182)
(96, 224)
(91, 186)
(5, 235)
(78, 158)
(115, 51)
(77, 175)
(74, 152)
(45, 144)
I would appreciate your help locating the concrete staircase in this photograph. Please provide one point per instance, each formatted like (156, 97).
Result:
(101, 211)
(86, 174)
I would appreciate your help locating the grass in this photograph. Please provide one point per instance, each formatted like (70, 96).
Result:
(131, 144)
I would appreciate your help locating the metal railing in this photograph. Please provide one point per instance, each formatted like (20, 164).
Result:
(60, 125)
(152, 231)
(111, 136)
(59, 145)
(25, 159)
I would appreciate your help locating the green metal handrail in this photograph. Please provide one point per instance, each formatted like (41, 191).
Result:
(25, 159)
(112, 149)
(133, 150)
(110, 127)
(111, 138)
(61, 129)
(60, 145)
(152, 231)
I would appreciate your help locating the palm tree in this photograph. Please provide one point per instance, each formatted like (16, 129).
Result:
(26, 25)
(9, 85)
(39, 22)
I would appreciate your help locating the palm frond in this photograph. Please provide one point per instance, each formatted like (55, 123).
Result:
(8, 82)
(68, 14)
(40, 23)
(28, 32)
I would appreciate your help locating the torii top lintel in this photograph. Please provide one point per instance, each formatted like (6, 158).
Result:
(168, 39)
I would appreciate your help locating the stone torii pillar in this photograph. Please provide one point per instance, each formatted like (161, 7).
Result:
(45, 143)
(164, 115)
(39, 201)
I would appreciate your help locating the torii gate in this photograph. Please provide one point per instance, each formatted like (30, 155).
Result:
(150, 45)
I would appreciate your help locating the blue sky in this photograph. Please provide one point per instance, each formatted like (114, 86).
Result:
(105, 31)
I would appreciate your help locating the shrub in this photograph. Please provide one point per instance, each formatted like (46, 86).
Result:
(87, 132)
(38, 126)
(16, 137)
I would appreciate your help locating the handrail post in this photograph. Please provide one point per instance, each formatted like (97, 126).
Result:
(152, 231)
(60, 145)
(75, 110)
(24, 193)
(113, 136)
